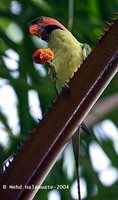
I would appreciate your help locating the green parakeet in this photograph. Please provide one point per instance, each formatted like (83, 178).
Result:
(69, 54)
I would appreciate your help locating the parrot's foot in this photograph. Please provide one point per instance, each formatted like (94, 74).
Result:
(50, 64)
(85, 129)
(65, 87)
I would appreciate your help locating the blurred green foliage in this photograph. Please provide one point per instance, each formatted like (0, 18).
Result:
(87, 19)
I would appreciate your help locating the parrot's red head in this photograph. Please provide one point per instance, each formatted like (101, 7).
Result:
(43, 26)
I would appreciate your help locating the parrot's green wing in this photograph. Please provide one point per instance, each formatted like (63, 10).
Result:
(85, 51)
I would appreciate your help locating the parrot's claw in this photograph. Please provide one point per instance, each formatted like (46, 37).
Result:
(65, 87)
(50, 64)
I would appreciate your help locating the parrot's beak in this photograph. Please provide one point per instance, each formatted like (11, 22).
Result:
(39, 31)
(34, 29)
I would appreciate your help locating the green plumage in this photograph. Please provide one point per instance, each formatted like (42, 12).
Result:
(68, 56)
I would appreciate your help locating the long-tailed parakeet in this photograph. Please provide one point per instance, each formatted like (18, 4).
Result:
(69, 54)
